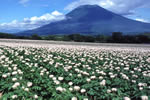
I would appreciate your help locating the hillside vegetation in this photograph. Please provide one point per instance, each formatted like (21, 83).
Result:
(116, 37)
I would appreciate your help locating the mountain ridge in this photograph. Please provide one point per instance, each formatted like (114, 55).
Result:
(91, 20)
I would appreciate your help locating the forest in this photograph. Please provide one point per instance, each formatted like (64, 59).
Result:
(116, 37)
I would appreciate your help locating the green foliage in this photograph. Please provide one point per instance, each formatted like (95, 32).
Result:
(35, 37)
(5, 35)
(116, 37)
(43, 68)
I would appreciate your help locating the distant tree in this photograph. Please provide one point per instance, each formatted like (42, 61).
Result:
(6, 35)
(89, 39)
(147, 34)
(101, 38)
(76, 37)
(66, 38)
(49, 37)
(23, 37)
(35, 37)
(128, 39)
(117, 37)
(59, 38)
(143, 39)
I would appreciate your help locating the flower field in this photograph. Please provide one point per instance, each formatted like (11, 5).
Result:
(33, 71)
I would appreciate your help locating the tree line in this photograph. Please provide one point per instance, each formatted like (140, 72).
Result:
(116, 37)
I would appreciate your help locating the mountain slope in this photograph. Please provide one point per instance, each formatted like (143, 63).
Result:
(91, 19)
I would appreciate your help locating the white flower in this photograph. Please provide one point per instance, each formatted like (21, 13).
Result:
(71, 89)
(134, 81)
(26, 89)
(23, 87)
(70, 74)
(83, 90)
(100, 77)
(126, 68)
(60, 78)
(20, 78)
(70, 83)
(20, 72)
(56, 82)
(127, 98)
(112, 76)
(103, 83)
(144, 97)
(59, 89)
(51, 76)
(132, 72)
(15, 68)
(76, 88)
(8, 74)
(64, 89)
(29, 84)
(74, 98)
(4, 75)
(114, 89)
(9, 69)
(140, 88)
(14, 79)
(54, 78)
(142, 84)
(148, 60)
(41, 74)
(88, 80)
(14, 73)
(35, 96)
(108, 91)
(79, 75)
(47, 73)
(14, 96)
(16, 85)
(93, 77)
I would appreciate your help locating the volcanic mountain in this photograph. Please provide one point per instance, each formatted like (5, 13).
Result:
(91, 20)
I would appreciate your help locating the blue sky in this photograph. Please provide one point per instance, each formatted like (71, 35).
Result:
(29, 14)
(17, 10)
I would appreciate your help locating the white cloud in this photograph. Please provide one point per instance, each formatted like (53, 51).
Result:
(142, 20)
(123, 7)
(56, 13)
(23, 1)
(33, 22)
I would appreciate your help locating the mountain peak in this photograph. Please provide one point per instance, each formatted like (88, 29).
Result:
(88, 6)
(90, 12)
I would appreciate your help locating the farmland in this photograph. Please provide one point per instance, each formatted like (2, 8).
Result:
(43, 70)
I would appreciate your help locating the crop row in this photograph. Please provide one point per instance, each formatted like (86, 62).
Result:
(28, 73)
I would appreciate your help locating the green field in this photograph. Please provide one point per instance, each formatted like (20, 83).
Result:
(44, 70)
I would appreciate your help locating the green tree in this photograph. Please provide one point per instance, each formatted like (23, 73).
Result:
(101, 38)
(117, 37)
(76, 37)
(35, 37)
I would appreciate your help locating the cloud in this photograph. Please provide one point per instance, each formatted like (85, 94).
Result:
(23, 1)
(142, 20)
(33, 22)
(56, 13)
(123, 7)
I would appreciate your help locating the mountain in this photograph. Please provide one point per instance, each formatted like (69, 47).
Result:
(91, 20)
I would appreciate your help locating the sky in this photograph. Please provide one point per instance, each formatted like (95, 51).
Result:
(18, 15)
